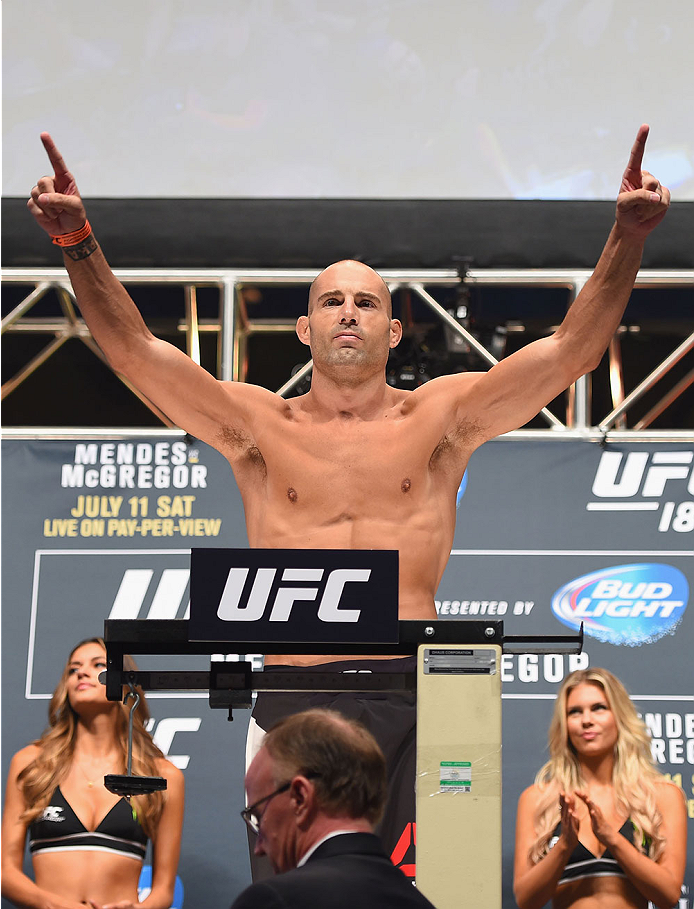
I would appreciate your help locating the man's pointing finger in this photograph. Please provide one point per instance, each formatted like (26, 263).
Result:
(54, 156)
(637, 149)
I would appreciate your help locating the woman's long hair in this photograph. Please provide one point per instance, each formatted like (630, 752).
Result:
(40, 778)
(634, 776)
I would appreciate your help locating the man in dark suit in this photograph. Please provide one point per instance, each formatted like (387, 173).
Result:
(315, 789)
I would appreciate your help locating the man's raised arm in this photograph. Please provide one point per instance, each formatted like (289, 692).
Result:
(188, 394)
(517, 388)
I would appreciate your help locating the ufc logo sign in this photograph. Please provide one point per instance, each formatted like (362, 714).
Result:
(231, 610)
(293, 595)
(665, 466)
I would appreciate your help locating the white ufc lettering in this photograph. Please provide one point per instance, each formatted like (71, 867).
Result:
(665, 466)
(287, 596)
(329, 610)
(231, 610)
(671, 466)
(166, 730)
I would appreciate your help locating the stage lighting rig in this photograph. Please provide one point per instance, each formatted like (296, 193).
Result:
(461, 310)
(466, 310)
(409, 364)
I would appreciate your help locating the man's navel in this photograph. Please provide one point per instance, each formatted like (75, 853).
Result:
(406, 484)
(292, 495)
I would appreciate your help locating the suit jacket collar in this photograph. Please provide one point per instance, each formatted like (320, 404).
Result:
(348, 843)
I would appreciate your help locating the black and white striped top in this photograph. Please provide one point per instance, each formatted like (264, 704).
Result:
(59, 829)
(582, 863)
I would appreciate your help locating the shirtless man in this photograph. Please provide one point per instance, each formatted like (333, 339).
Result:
(354, 463)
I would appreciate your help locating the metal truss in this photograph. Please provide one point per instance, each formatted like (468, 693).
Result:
(233, 327)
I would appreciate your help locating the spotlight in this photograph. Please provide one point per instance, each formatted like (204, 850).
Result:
(465, 309)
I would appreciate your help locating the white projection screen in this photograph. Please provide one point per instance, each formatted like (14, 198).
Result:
(456, 99)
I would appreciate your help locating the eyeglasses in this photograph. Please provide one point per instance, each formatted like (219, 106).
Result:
(253, 817)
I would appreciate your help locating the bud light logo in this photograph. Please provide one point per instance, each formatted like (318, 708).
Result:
(627, 604)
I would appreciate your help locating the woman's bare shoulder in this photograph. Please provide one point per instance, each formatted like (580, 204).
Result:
(169, 771)
(23, 758)
(531, 796)
(668, 794)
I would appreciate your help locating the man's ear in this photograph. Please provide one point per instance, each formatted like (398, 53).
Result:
(395, 332)
(303, 330)
(303, 797)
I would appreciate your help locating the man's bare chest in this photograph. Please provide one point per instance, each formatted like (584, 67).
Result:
(377, 447)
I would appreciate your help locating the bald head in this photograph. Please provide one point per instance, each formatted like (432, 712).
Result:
(348, 274)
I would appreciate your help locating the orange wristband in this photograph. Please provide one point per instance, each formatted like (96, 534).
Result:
(72, 239)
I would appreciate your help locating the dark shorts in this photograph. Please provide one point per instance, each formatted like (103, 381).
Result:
(390, 718)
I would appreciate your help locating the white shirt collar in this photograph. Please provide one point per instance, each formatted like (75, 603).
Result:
(307, 855)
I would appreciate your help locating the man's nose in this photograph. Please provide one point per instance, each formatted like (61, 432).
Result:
(348, 311)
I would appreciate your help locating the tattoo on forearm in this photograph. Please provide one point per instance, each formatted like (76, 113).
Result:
(82, 250)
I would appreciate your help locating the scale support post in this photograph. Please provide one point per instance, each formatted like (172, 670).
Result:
(458, 782)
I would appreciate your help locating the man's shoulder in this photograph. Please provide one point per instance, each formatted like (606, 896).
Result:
(289, 890)
(263, 895)
(254, 393)
(344, 871)
(442, 395)
(452, 384)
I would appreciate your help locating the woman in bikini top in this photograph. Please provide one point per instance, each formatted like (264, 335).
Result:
(600, 827)
(87, 845)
